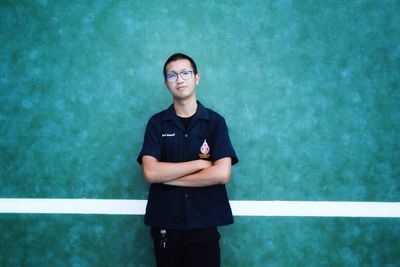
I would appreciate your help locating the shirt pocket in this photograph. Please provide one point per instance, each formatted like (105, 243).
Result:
(172, 150)
(202, 146)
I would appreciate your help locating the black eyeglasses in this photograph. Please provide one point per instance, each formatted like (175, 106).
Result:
(173, 76)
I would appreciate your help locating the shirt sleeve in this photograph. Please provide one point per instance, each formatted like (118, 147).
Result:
(151, 144)
(223, 146)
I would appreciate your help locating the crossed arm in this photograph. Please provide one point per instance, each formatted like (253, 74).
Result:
(194, 173)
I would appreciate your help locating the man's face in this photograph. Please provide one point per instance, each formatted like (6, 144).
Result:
(183, 80)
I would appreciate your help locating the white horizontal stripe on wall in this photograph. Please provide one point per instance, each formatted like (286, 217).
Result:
(316, 208)
(239, 208)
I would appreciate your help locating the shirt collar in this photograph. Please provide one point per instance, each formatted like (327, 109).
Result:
(201, 113)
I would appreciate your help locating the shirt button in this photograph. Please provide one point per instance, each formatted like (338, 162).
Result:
(186, 195)
(186, 135)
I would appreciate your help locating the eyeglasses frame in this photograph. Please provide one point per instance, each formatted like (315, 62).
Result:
(180, 74)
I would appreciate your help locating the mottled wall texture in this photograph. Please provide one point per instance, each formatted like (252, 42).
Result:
(310, 91)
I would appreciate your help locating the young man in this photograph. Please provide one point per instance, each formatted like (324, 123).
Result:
(186, 157)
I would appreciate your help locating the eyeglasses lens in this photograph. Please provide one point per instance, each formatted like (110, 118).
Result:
(173, 77)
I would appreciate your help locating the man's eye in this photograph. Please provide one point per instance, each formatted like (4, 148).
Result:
(171, 76)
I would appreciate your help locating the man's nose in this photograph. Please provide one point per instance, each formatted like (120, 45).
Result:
(180, 79)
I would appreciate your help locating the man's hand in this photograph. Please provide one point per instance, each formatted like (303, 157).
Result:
(155, 171)
(218, 173)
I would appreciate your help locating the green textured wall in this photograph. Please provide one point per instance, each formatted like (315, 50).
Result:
(310, 91)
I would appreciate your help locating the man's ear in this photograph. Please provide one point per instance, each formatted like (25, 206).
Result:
(197, 78)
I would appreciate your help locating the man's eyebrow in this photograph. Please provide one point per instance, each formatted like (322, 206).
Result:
(185, 69)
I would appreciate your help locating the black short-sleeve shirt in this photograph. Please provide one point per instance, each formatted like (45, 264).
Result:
(167, 140)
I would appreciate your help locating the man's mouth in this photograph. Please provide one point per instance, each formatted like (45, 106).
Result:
(182, 87)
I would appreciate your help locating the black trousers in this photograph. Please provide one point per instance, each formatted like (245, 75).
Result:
(186, 248)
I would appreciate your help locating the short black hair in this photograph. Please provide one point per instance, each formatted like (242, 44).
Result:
(178, 56)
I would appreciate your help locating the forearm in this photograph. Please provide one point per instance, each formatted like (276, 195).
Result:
(163, 172)
(219, 173)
